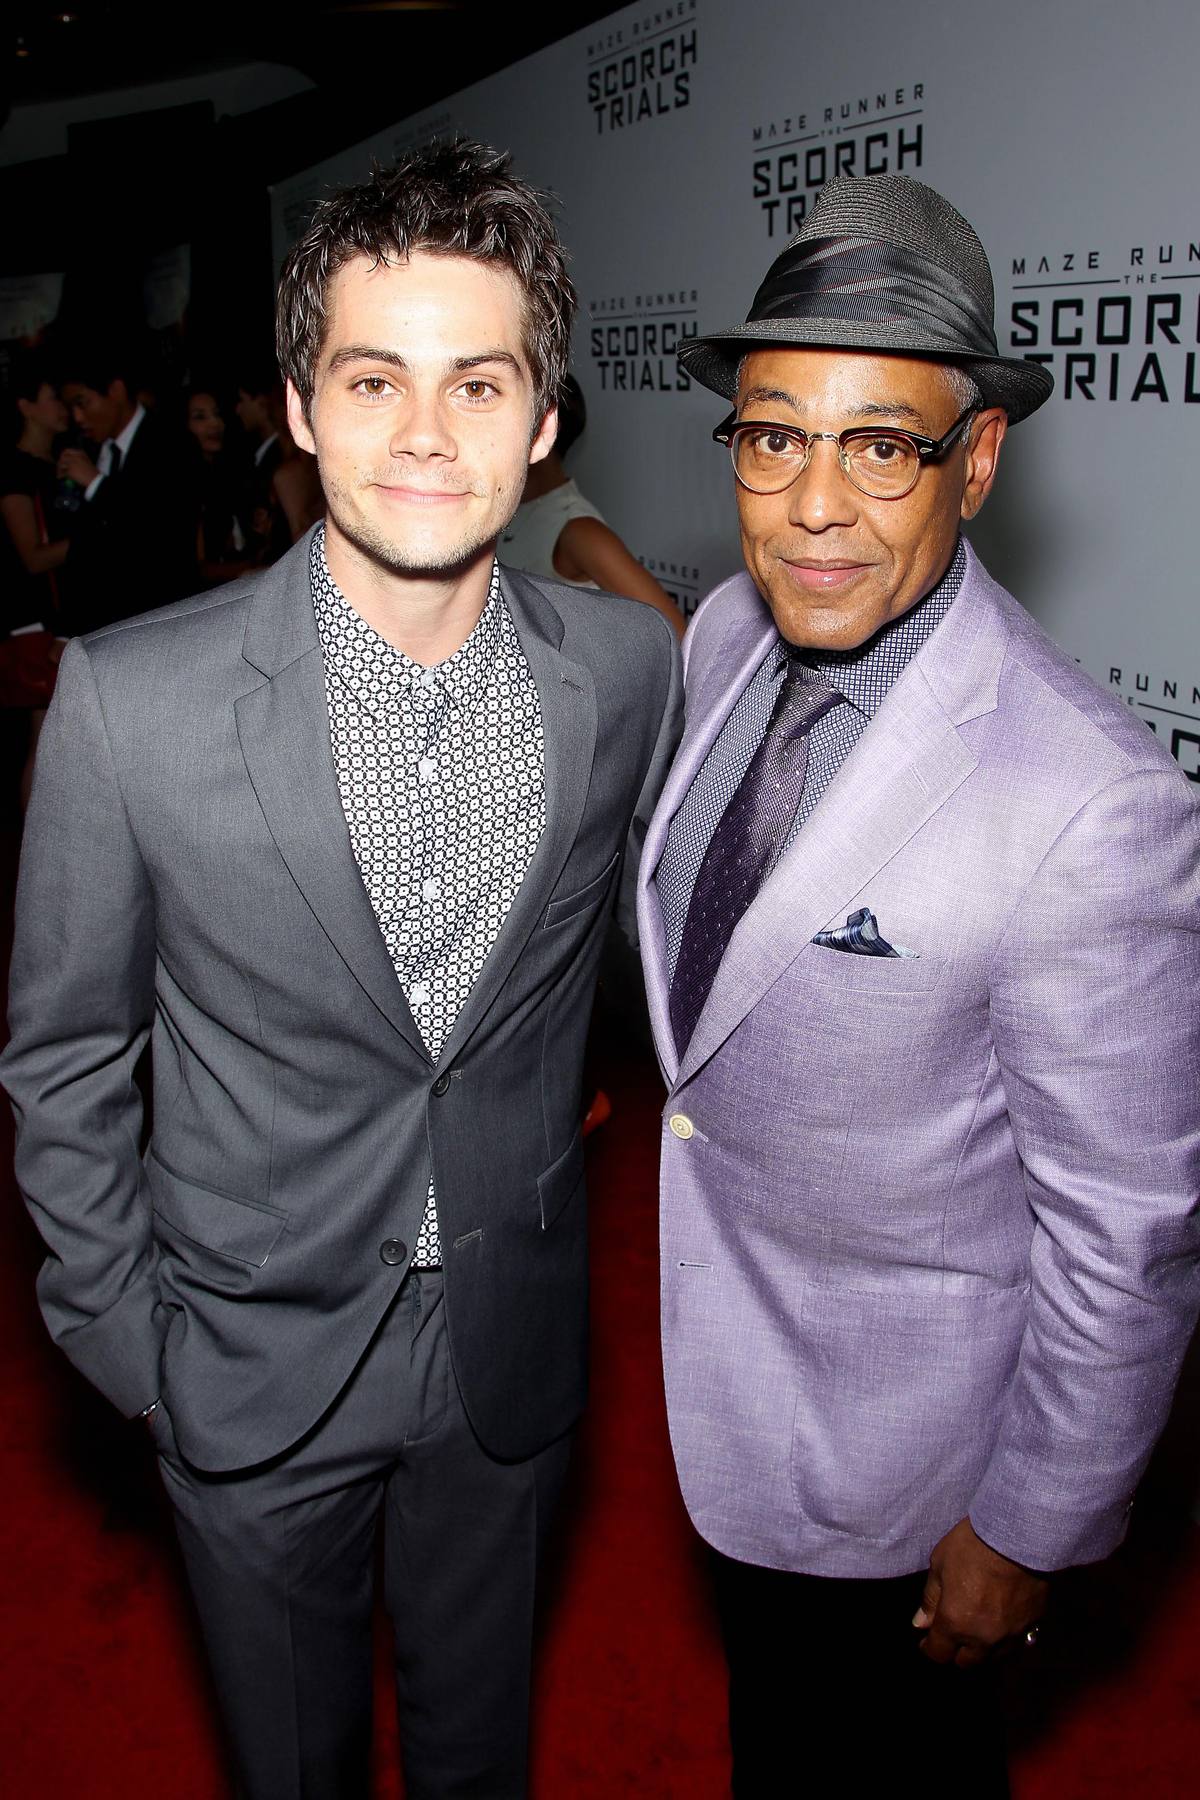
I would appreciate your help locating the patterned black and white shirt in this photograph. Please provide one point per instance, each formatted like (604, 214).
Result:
(861, 676)
(441, 773)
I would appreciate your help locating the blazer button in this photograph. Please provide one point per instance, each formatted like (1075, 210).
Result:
(441, 1085)
(393, 1250)
(681, 1125)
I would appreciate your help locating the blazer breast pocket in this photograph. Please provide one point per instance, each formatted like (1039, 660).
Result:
(840, 971)
(583, 900)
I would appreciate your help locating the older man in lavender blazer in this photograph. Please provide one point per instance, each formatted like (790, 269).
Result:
(919, 913)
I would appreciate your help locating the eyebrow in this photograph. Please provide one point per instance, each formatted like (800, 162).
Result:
(870, 409)
(391, 359)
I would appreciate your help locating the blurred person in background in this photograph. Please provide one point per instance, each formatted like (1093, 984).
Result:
(262, 414)
(223, 544)
(134, 543)
(36, 506)
(560, 534)
(285, 488)
(38, 511)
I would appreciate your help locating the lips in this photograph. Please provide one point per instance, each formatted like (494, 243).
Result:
(821, 577)
(424, 496)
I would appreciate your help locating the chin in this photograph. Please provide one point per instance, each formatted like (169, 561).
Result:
(412, 555)
(821, 630)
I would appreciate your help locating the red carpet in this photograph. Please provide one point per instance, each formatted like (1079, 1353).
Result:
(102, 1696)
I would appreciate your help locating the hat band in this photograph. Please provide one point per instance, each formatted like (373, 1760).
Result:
(873, 282)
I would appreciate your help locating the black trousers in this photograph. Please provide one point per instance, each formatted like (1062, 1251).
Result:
(280, 1559)
(829, 1694)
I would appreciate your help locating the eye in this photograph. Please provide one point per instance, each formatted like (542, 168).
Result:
(477, 389)
(885, 449)
(372, 387)
(773, 443)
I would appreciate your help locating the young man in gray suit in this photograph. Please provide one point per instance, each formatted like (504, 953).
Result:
(342, 844)
(921, 921)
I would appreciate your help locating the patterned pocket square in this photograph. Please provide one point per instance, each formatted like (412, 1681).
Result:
(860, 936)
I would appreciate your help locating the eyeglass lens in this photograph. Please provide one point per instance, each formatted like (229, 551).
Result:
(882, 463)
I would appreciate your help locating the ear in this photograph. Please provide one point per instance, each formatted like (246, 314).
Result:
(297, 420)
(543, 440)
(983, 458)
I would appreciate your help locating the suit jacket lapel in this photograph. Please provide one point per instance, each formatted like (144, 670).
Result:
(907, 763)
(712, 696)
(283, 728)
(568, 700)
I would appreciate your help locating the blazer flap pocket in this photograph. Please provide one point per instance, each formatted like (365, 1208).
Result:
(241, 1229)
(591, 895)
(561, 1181)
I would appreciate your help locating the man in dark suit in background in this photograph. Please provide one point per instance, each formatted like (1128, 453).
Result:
(134, 543)
(342, 842)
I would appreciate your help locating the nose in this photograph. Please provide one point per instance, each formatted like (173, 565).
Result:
(821, 494)
(421, 429)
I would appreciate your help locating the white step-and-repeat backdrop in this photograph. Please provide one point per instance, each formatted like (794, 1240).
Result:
(686, 140)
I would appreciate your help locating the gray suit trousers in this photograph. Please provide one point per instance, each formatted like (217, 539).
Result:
(280, 1559)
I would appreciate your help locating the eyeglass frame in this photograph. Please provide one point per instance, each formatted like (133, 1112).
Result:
(928, 449)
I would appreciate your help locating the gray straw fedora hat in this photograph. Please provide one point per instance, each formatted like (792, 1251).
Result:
(880, 263)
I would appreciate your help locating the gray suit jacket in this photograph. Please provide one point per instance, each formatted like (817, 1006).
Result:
(187, 878)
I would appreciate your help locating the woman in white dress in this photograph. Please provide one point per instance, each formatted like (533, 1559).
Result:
(559, 533)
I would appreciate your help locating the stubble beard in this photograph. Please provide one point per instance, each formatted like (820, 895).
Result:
(394, 556)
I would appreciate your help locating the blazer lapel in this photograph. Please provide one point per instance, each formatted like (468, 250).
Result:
(568, 701)
(907, 763)
(283, 728)
(749, 633)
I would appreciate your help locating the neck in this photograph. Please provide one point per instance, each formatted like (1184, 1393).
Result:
(544, 477)
(36, 440)
(429, 617)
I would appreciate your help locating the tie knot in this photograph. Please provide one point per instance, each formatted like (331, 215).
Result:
(800, 702)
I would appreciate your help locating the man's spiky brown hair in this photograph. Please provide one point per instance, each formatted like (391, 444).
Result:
(455, 199)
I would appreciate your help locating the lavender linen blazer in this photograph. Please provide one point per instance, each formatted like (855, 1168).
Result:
(930, 1248)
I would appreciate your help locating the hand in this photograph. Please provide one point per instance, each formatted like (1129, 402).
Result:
(77, 465)
(975, 1599)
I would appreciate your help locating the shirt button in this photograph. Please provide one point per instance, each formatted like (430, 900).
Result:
(431, 889)
(427, 768)
(428, 679)
(441, 1085)
(418, 994)
(393, 1251)
(681, 1125)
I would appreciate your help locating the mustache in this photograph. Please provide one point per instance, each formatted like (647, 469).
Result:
(390, 477)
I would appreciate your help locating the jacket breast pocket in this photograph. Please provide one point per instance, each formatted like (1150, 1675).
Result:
(845, 972)
(243, 1230)
(584, 900)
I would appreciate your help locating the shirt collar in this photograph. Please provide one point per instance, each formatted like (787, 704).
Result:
(264, 447)
(130, 432)
(863, 676)
(377, 672)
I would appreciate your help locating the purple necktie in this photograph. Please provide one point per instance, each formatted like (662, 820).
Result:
(748, 839)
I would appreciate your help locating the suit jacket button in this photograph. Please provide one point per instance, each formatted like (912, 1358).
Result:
(681, 1125)
(441, 1085)
(393, 1250)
